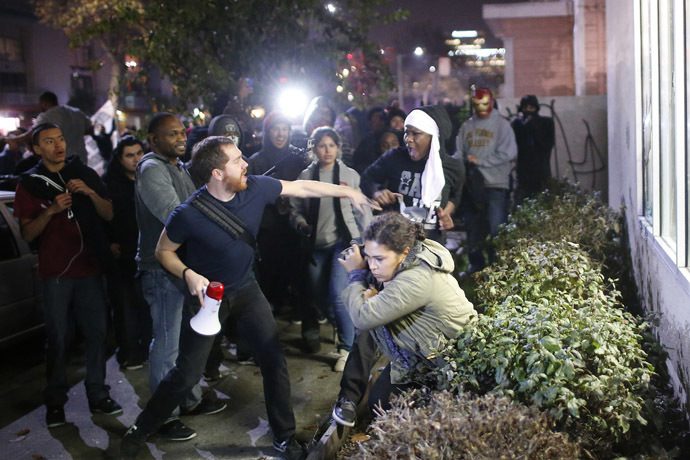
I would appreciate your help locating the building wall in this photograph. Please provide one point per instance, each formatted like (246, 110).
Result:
(543, 54)
(664, 282)
(575, 140)
(49, 63)
(595, 46)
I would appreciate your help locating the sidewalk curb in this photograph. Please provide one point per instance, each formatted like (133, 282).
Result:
(335, 435)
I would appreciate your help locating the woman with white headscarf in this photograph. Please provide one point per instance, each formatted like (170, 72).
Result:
(419, 179)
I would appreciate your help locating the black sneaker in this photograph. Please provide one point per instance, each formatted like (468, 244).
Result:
(212, 375)
(55, 416)
(132, 442)
(246, 361)
(291, 449)
(175, 430)
(133, 365)
(207, 406)
(105, 406)
(312, 346)
(345, 412)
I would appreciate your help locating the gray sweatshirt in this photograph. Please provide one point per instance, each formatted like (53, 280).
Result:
(492, 141)
(160, 187)
(356, 221)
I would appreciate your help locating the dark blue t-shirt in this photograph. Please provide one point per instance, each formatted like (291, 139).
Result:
(210, 250)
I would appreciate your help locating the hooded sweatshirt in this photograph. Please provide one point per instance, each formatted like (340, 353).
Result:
(397, 172)
(492, 141)
(123, 229)
(287, 161)
(284, 164)
(86, 245)
(419, 309)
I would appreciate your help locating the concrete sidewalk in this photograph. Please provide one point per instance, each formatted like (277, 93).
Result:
(240, 432)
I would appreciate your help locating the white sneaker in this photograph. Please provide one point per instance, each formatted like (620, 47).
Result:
(342, 359)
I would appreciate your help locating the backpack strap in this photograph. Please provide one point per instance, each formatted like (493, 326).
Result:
(225, 219)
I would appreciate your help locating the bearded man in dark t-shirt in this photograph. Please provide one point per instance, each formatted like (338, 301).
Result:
(211, 253)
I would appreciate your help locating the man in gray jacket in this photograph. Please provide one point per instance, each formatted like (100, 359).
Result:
(487, 144)
(162, 183)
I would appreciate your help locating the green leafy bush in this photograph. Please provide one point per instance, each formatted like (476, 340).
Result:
(554, 333)
(440, 426)
(567, 214)
(537, 270)
(582, 361)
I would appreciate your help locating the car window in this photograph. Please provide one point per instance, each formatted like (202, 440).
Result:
(8, 247)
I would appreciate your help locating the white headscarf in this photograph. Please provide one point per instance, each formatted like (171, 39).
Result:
(433, 179)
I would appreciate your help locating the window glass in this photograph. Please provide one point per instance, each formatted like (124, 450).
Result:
(667, 153)
(647, 118)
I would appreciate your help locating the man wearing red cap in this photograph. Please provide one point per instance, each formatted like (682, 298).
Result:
(487, 143)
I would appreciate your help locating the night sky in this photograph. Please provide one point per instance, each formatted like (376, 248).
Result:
(432, 20)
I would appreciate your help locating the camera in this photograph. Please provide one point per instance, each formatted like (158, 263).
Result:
(345, 252)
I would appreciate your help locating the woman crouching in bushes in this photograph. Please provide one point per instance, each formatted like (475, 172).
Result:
(403, 298)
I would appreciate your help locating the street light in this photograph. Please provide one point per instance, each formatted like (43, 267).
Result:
(418, 51)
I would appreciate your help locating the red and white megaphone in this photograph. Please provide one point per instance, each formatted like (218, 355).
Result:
(206, 321)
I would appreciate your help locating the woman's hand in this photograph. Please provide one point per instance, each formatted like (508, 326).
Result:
(371, 292)
(196, 284)
(353, 259)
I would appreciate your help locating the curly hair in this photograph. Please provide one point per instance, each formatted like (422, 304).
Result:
(394, 231)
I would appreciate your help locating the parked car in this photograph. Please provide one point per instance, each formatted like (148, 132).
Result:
(21, 310)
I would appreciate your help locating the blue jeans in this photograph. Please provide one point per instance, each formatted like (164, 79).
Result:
(360, 362)
(255, 321)
(327, 279)
(166, 300)
(81, 300)
(484, 222)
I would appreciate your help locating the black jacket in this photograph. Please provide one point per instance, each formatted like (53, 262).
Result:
(38, 181)
(123, 229)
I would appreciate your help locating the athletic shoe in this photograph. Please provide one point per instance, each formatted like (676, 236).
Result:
(132, 442)
(246, 361)
(342, 359)
(212, 375)
(345, 412)
(207, 406)
(175, 430)
(55, 416)
(312, 346)
(290, 449)
(105, 406)
(133, 365)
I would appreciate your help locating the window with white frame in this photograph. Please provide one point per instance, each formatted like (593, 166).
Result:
(664, 40)
(647, 29)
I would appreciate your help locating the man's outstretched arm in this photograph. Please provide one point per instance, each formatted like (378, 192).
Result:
(316, 189)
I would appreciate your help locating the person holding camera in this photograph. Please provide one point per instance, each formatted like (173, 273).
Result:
(403, 297)
(329, 224)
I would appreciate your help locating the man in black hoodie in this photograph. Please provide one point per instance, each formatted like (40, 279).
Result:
(278, 243)
(63, 203)
(408, 179)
